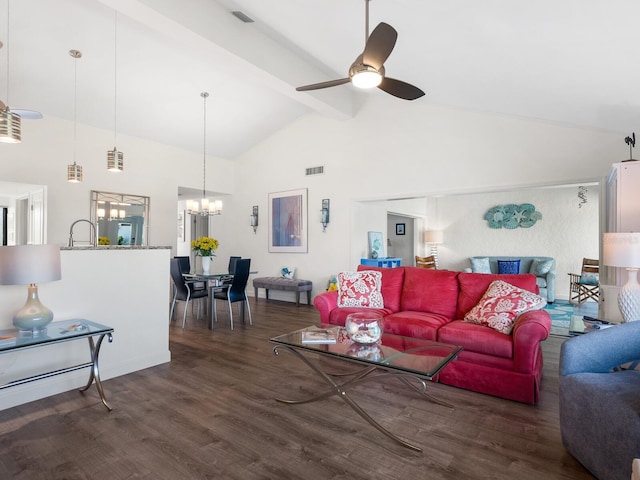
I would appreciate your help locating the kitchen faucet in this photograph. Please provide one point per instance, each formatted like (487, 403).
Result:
(93, 238)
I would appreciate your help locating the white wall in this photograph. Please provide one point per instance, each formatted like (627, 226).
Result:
(393, 149)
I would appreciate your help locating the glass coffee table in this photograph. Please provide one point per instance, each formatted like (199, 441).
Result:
(412, 361)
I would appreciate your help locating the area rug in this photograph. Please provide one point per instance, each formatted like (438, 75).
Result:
(561, 312)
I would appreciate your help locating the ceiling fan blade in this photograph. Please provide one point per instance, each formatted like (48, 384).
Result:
(28, 114)
(317, 86)
(400, 89)
(379, 45)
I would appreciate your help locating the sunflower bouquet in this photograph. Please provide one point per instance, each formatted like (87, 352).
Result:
(205, 246)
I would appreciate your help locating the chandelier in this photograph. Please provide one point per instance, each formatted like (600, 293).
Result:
(205, 207)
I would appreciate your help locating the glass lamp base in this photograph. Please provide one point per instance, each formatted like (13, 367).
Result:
(33, 316)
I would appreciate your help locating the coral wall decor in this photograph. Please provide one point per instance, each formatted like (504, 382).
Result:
(512, 216)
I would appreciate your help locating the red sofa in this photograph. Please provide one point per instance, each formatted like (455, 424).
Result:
(431, 304)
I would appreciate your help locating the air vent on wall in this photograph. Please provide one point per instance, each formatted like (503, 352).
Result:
(314, 171)
(242, 16)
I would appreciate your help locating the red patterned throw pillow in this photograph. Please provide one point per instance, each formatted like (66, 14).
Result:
(360, 289)
(501, 305)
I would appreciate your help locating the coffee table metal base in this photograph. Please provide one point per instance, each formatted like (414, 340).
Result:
(363, 375)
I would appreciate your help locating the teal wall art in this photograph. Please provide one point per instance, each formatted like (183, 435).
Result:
(512, 216)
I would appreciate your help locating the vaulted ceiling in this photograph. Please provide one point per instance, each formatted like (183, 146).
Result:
(572, 62)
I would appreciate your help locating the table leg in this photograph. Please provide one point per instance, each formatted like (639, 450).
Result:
(340, 390)
(94, 375)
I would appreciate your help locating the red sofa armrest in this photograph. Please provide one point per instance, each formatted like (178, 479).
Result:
(530, 329)
(325, 303)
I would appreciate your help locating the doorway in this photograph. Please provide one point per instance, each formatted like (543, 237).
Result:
(401, 238)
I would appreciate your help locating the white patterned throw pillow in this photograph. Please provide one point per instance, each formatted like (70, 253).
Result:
(501, 305)
(360, 289)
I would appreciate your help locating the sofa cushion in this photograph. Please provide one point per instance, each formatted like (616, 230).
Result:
(476, 338)
(508, 266)
(539, 267)
(480, 265)
(430, 291)
(360, 289)
(392, 279)
(473, 286)
(501, 304)
(415, 324)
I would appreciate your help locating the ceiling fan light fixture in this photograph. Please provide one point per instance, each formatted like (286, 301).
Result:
(365, 76)
(10, 126)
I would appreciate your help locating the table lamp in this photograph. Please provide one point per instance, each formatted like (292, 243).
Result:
(28, 265)
(623, 250)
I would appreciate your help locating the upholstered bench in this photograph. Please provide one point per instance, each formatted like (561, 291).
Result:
(286, 284)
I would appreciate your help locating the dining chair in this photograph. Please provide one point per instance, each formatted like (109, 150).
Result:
(183, 291)
(236, 292)
(426, 262)
(232, 264)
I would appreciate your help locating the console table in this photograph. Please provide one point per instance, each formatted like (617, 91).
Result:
(388, 262)
(59, 332)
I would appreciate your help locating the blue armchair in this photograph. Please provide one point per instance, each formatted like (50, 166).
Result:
(599, 407)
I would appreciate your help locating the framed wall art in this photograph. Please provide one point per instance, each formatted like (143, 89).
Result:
(288, 221)
(400, 228)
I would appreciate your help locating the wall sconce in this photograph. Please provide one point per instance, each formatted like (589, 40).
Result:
(325, 214)
(254, 218)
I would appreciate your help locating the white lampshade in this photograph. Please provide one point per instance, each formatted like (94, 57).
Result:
(433, 236)
(26, 264)
(621, 249)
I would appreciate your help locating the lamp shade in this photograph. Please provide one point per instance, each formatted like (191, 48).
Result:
(26, 264)
(621, 249)
(433, 236)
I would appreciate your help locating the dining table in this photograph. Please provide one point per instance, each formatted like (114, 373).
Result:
(213, 282)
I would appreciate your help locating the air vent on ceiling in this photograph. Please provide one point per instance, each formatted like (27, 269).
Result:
(314, 171)
(243, 17)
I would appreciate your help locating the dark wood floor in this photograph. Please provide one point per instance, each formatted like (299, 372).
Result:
(210, 413)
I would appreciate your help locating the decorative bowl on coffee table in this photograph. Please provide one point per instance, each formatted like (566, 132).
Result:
(364, 328)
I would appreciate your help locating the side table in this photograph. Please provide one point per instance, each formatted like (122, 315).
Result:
(59, 332)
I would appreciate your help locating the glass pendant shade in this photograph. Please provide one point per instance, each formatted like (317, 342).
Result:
(74, 173)
(10, 126)
(115, 160)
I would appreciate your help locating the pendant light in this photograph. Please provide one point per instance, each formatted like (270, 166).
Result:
(74, 171)
(10, 123)
(115, 158)
(205, 207)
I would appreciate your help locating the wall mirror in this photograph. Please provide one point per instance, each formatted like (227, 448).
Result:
(120, 218)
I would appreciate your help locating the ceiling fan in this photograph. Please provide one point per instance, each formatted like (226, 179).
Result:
(367, 71)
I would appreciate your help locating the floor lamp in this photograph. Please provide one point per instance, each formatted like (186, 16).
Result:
(433, 238)
(623, 250)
